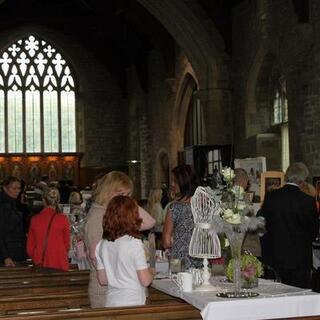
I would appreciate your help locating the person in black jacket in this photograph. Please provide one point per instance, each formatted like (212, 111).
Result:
(12, 233)
(292, 224)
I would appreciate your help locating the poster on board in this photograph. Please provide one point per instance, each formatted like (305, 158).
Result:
(254, 167)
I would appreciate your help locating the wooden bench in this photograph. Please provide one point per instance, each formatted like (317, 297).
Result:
(68, 299)
(158, 312)
(6, 277)
(48, 293)
(19, 288)
(43, 278)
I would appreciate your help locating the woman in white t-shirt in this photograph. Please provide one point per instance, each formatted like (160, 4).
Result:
(121, 260)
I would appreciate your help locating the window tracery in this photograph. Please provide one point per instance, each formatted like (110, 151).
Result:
(37, 99)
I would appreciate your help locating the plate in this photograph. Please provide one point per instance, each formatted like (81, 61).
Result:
(241, 294)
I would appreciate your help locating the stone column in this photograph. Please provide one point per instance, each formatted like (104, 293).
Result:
(145, 164)
(217, 113)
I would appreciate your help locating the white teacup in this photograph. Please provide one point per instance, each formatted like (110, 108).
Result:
(184, 281)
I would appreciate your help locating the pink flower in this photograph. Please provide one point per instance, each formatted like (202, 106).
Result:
(248, 272)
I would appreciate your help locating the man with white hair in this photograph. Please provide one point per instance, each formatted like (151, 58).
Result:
(292, 224)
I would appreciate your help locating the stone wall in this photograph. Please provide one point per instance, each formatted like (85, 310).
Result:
(262, 29)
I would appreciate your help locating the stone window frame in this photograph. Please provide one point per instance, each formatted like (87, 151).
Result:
(280, 103)
(33, 64)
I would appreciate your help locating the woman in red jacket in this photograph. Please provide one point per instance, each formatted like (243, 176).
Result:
(54, 254)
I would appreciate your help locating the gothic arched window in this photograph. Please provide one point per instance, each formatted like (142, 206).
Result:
(280, 104)
(37, 99)
(280, 118)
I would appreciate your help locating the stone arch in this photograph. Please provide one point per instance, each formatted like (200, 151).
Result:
(205, 51)
(259, 93)
(263, 79)
(204, 48)
(186, 89)
(252, 79)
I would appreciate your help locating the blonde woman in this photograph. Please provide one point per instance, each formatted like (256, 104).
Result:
(110, 185)
(75, 198)
(155, 209)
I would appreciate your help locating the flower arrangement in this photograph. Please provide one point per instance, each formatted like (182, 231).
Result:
(250, 269)
(234, 210)
(235, 218)
(233, 205)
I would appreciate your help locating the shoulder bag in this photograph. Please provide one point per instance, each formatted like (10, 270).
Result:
(39, 267)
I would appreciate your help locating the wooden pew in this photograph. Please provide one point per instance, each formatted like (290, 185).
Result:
(69, 299)
(27, 281)
(44, 278)
(19, 272)
(28, 265)
(158, 312)
(65, 300)
(42, 288)
(39, 292)
(25, 268)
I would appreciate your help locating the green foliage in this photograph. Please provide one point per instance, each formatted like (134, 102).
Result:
(251, 268)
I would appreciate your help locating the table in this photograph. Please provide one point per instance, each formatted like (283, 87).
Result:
(275, 301)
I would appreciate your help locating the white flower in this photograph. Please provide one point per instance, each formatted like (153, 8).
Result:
(238, 191)
(234, 219)
(241, 205)
(228, 174)
(227, 213)
(231, 217)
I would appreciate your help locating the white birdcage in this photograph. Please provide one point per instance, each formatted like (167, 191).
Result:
(205, 243)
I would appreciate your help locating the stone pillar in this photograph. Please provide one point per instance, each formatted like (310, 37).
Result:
(136, 107)
(217, 114)
(134, 147)
(145, 158)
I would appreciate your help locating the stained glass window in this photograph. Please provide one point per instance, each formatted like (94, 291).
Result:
(37, 99)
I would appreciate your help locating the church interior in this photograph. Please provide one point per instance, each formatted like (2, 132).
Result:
(156, 83)
(141, 86)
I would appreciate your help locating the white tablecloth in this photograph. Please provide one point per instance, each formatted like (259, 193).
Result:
(275, 300)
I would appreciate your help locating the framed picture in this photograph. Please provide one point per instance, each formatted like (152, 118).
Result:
(254, 168)
(270, 180)
(248, 196)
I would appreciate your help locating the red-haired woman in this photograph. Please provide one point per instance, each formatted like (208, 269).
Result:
(121, 261)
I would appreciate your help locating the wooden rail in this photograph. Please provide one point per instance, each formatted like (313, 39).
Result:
(159, 312)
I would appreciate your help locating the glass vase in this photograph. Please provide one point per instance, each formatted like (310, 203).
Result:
(250, 284)
(235, 238)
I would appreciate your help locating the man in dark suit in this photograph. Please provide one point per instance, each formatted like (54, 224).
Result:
(292, 224)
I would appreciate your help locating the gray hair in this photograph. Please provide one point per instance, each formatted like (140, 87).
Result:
(297, 173)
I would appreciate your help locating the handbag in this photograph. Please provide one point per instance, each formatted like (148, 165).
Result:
(39, 267)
